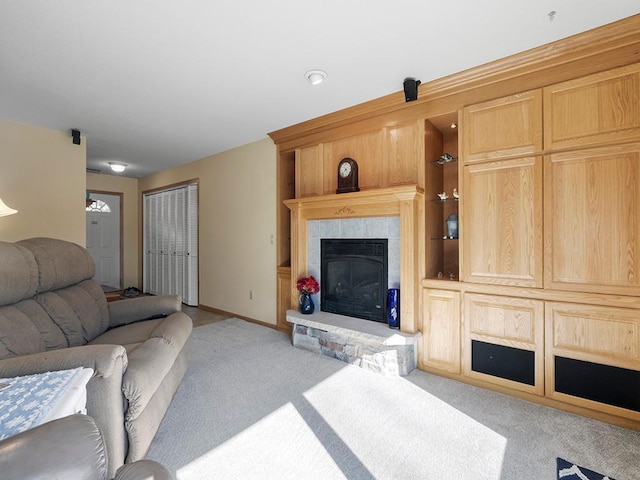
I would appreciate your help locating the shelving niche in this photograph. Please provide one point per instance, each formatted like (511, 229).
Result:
(441, 141)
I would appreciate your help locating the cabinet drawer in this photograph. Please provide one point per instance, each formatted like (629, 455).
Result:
(513, 323)
(597, 334)
(593, 357)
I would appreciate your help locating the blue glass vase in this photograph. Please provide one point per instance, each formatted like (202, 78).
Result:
(306, 303)
(393, 308)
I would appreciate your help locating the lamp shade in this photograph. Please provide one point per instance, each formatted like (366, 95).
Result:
(4, 210)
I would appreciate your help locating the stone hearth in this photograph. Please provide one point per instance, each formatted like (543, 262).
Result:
(367, 344)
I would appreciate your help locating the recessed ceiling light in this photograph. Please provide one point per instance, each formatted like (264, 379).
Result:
(453, 125)
(315, 76)
(118, 167)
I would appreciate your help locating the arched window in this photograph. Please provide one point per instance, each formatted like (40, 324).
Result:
(99, 206)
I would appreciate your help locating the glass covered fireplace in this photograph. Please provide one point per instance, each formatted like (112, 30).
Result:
(354, 277)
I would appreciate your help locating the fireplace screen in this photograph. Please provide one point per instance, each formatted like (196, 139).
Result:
(354, 277)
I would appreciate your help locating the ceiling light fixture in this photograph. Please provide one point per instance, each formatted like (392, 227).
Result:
(5, 210)
(315, 76)
(453, 125)
(118, 167)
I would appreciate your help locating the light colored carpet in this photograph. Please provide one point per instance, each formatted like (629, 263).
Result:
(251, 406)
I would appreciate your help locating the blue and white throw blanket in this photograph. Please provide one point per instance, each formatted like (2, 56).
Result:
(24, 401)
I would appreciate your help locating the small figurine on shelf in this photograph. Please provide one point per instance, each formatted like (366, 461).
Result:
(445, 158)
(443, 196)
(456, 195)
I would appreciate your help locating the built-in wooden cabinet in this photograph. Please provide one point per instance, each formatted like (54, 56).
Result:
(592, 219)
(548, 178)
(596, 109)
(504, 341)
(502, 222)
(593, 357)
(440, 331)
(506, 127)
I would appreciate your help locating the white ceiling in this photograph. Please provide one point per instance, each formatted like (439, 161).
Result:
(158, 83)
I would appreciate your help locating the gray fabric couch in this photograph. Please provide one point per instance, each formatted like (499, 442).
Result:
(54, 316)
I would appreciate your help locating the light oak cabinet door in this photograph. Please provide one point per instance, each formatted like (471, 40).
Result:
(592, 220)
(598, 334)
(508, 322)
(506, 127)
(600, 108)
(365, 149)
(404, 154)
(440, 331)
(502, 222)
(309, 171)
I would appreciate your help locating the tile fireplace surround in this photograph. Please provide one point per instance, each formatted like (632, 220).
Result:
(361, 228)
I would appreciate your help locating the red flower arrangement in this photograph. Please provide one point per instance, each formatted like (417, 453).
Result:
(308, 285)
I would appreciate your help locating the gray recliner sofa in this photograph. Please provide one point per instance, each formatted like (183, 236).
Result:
(55, 316)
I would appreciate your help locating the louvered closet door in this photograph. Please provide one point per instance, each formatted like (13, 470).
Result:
(178, 249)
(171, 243)
(151, 247)
(190, 294)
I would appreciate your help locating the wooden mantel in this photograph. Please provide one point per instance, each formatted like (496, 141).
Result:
(406, 201)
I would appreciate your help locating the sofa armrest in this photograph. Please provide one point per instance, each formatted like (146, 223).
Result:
(70, 447)
(143, 470)
(123, 312)
(101, 358)
(105, 401)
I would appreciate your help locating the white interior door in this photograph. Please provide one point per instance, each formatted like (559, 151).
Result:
(103, 238)
(170, 243)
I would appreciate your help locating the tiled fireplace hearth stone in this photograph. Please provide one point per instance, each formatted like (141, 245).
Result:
(367, 344)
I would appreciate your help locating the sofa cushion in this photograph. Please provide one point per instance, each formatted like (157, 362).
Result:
(76, 311)
(50, 334)
(152, 360)
(129, 336)
(60, 263)
(18, 275)
(17, 341)
(90, 305)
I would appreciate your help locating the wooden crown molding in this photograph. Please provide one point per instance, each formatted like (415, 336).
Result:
(609, 46)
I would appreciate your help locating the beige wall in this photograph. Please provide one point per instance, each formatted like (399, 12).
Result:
(128, 187)
(237, 191)
(42, 175)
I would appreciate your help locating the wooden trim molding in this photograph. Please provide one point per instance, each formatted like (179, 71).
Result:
(602, 48)
(403, 201)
